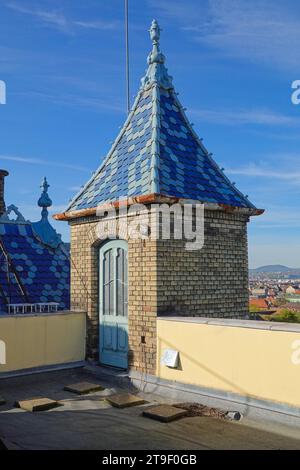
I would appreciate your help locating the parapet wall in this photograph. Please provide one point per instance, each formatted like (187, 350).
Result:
(259, 360)
(38, 341)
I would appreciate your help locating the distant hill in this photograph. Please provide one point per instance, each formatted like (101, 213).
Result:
(273, 268)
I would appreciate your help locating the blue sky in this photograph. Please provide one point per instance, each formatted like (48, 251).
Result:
(233, 62)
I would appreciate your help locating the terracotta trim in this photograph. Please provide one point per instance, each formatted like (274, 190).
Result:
(155, 198)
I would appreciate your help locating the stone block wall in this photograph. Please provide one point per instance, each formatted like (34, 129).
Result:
(211, 282)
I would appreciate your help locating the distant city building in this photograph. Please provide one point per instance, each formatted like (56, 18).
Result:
(290, 290)
(293, 298)
(259, 293)
(264, 304)
(34, 261)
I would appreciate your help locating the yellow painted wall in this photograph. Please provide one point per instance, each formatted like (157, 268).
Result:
(33, 341)
(250, 362)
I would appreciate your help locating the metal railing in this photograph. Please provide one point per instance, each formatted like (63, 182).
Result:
(44, 307)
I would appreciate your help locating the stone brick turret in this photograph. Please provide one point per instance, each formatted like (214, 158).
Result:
(156, 159)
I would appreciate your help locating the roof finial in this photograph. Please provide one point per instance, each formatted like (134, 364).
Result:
(155, 55)
(155, 32)
(44, 200)
(157, 72)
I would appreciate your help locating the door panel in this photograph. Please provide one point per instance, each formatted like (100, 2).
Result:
(122, 339)
(113, 294)
(108, 338)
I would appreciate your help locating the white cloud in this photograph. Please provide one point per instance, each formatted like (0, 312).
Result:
(263, 30)
(53, 18)
(267, 172)
(73, 100)
(60, 21)
(38, 161)
(260, 30)
(244, 117)
(98, 24)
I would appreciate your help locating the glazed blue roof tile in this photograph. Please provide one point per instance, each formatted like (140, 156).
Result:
(43, 272)
(38, 267)
(157, 151)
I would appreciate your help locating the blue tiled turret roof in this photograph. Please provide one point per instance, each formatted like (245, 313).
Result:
(158, 152)
(34, 262)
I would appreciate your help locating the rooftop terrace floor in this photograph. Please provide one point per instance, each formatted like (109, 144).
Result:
(89, 422)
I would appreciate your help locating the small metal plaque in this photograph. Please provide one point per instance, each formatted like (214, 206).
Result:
(170, 358)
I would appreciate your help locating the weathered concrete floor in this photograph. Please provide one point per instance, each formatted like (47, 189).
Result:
(89, 422)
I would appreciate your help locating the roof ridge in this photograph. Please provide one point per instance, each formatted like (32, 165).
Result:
(155, 146)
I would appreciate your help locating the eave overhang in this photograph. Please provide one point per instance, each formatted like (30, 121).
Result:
(155, 199)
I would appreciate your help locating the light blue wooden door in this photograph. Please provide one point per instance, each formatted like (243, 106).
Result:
(113, 305)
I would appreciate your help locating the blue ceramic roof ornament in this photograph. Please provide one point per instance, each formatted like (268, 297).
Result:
(158, 152)
(45, 201)
(43, 228)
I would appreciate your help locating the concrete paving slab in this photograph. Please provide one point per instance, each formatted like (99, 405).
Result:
(37, 404)
(164, 413)
(125, 400)
(83, 388)
(82, 405)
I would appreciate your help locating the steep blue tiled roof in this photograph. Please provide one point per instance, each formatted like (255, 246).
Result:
(157, 151)
(34, 266)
